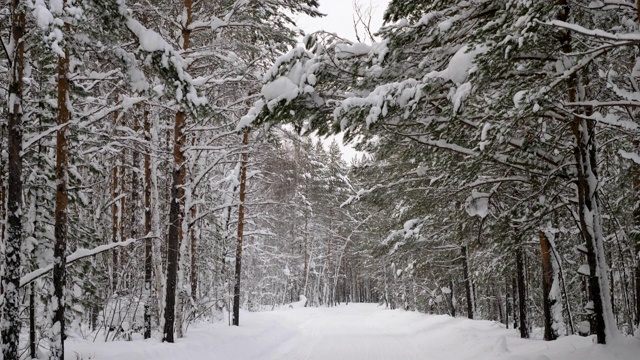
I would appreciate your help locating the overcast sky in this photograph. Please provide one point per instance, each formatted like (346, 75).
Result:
(339, 20)
(340, 15)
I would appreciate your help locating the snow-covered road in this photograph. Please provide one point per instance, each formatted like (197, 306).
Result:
(352, 332)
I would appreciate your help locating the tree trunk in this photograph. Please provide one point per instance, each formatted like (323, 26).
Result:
(498, 302)
(585, 153)
(636, 219)
(176, 209)
(180, 313)
(522, 295)
(549, 300)
(194, 248)
(32, 321)
(121, 280)
(243, 185)
(10, 325)
(635, 235)
(176, 215)
(514, 288)
(3, 188)
(135, 198)
(58, 302)
(637, 277)
(158, 274)
(148, 249)
(507, 304)
(305, 271)
(115, 209)
(32, 298)
(452, 299)
(329, 263)
(467, 282)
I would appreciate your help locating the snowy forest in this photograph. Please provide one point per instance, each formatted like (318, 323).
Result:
(162, 165)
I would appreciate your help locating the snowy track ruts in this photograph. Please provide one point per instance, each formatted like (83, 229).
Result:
(352, 332)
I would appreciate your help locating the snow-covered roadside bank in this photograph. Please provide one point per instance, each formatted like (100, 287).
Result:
(355, 331)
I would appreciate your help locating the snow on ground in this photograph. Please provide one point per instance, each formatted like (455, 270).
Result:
(353, 332)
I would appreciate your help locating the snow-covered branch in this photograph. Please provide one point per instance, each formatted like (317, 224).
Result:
(78, 255)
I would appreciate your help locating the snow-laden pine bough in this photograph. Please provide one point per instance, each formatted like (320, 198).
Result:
(79, 255)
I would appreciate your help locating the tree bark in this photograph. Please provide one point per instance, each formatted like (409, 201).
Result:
(58, 302)
(148, 250)
(194, 248)
(243, 185)
(176, 209)
(176, 215)
(10, 326)
(135, 198)
(498, 302)
(547, 282)
(305, 270)
(32, 321)
(329, 272)
(514, 288)
(585, 153)
(122, 254)
(637, 279)
(115, 210)
(635, 235)
(32, 298)
(467, 282)
(452, 298)
(507, 304)
(3, 188)
(522, 295)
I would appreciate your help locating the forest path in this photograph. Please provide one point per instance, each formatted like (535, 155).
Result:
(363, 331)
(346, 332)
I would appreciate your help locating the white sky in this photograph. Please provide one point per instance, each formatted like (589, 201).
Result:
(340, 15)
(339, 20)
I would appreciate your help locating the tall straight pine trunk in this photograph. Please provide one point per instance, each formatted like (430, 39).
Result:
(148, 246)
(135, 180)
(194, 248)
(243, 187)
(635, 235)
(467, 282)
(58, 302)
(10, 326)
(176, 209)
(507, 303)
(3, 188)
(522, 295)
(176, 215)
(115, 215)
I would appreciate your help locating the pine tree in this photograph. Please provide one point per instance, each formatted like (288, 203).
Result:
(14, 232)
